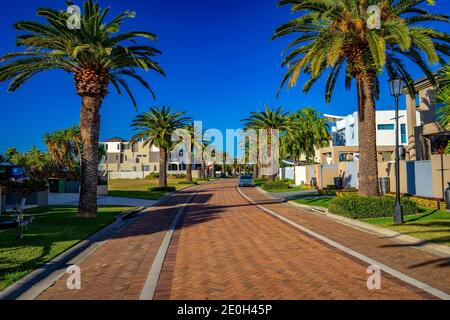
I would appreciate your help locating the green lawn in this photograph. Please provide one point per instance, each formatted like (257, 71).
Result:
(429, 224)
(293, 189)
(314, 201)
(139, 188)
(433, 225)
(55, 229)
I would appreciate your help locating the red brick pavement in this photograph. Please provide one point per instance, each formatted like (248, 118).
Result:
(226, 248)
(119, 268)
(422, 266)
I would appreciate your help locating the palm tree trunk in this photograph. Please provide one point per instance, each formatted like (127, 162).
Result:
(162, 167)
(203, 168)
(368, 172)
(89, 130)
(189, 172)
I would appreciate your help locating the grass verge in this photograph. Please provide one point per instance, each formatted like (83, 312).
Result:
(428, 224)
(139, 188)
(320, 202)
(54, 230)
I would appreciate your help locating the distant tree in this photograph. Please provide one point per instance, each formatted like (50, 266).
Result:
(37, 164)
(156, 127)
(268, 119)
(65, 147)
(307, 131)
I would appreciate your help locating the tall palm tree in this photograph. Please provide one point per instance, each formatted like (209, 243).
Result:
(194, 146)
(333, 36)
(225, 158)
(443, 97)
(156, 127)
(307, 131)
(269, 119)
(97, 55)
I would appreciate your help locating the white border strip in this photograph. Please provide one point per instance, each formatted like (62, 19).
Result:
(149, 289)
(433, 291)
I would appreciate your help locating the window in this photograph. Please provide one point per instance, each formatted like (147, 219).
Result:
(345, 156)
(403, 133)
(117, 157)
(126, 158)
(106, 146)
(386, 127)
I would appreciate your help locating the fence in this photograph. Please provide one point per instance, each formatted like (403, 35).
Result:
(427, 178)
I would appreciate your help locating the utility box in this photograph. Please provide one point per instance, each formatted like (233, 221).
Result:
(385, 185)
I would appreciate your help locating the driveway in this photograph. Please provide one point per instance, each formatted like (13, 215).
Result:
(72, 199)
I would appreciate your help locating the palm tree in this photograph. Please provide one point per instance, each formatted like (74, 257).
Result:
(269, 119)
(193, 146)
(156, 127)
(307, 131)
(333, 36)
(225, 157)
(443, 97)
(97, 55)
(64, 146)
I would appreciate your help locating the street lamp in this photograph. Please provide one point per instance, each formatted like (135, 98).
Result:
(396, 87)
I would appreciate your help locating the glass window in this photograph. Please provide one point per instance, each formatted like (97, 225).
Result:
(386, 127)
(403, 133)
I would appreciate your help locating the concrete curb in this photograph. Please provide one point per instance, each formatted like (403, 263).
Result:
(421, 244)
(151, 283)
(421, 285)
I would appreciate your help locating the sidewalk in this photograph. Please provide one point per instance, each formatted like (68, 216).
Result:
(119, 268)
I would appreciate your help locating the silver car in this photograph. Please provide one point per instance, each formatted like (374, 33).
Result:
(246, 180)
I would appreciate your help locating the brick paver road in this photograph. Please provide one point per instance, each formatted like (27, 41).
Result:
(226, 248)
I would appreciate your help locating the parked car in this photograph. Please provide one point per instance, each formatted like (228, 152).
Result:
(9, 172)
(246, 180)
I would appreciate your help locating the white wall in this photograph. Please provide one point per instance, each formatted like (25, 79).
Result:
(387, 137)
(127, 174)
(300, 175)
(349, 125)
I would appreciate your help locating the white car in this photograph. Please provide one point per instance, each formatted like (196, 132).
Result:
(246, 180)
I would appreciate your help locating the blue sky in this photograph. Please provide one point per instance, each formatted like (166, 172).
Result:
(218, 55)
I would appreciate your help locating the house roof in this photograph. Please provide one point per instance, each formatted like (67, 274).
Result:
(115, 139)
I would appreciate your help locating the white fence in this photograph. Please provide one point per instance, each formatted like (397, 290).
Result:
(128, 174)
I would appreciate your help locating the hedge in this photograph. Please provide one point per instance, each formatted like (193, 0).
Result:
(187, 182)
(167, 189)
(360, 207)
(274, 185)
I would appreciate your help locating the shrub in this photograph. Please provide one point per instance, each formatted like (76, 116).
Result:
(27, 186)
(187, 182)
(275, 185)
(359, 207)
(176, 176)
(152, 175)
(162, 189)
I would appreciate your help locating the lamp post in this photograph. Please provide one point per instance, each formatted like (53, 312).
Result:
(396, 87)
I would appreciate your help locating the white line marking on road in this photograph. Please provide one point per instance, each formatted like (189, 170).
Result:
(149, 289)
(425, 287)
